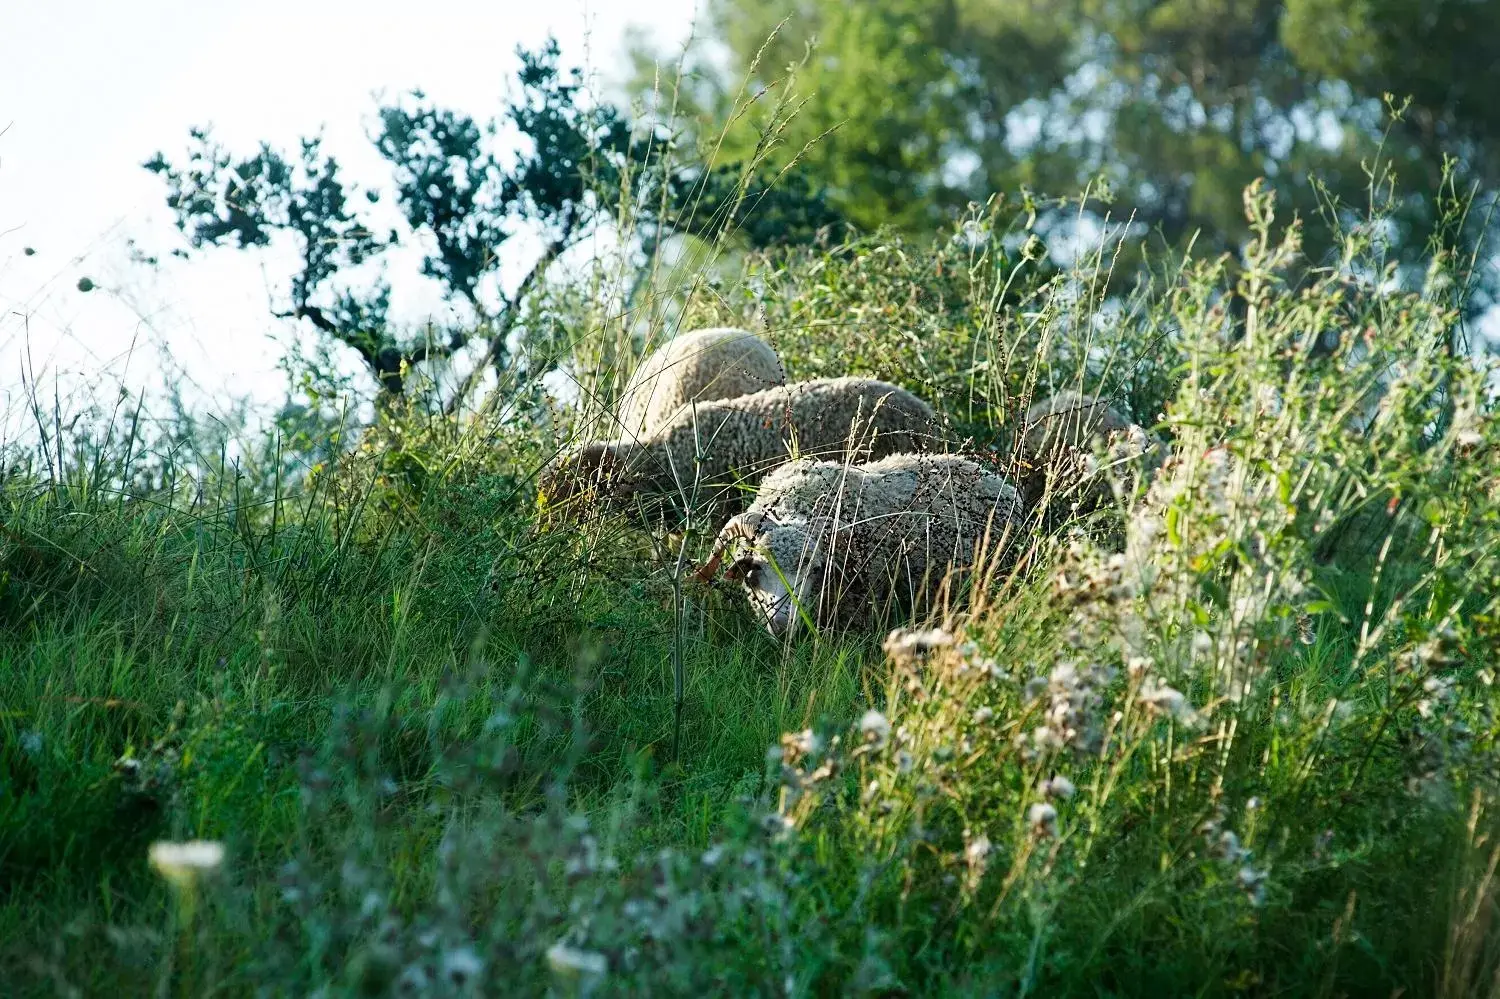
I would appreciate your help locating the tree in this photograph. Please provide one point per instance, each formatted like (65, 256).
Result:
(1176, 105)
(465, 199)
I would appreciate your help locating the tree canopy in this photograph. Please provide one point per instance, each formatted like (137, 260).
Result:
(553, 161)
(1165, 110)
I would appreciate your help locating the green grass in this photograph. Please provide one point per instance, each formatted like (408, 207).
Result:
(436, 737)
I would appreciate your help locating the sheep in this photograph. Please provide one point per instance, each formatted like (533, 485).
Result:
(839, 544)
(1061, 476)
(704, 449)
(706, 364)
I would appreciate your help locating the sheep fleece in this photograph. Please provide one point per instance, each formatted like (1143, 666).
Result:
(707, 364)
(883, 533)
(704, 447)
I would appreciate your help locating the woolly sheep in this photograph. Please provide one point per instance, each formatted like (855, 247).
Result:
(842, 543)
(1057, 447)
(705, 448)
(707, 364)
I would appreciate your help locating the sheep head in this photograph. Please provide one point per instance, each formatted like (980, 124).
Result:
(571, 478)
(780, 564)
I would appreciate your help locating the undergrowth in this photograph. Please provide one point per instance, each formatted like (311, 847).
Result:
(1242, 743)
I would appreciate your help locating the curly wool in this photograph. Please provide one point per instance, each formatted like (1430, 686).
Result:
(843, 543)
(705, 450)
(706, 364)
(1058, 442)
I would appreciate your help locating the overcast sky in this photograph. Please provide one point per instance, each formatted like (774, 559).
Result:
(91, 88)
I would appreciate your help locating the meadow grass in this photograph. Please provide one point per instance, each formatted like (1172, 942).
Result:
(1240, 740)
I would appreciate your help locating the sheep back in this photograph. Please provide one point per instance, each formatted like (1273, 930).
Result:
(721, 443)
(885, 534)
(704, 365)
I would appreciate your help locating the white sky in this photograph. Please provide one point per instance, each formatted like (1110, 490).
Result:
(89, 89)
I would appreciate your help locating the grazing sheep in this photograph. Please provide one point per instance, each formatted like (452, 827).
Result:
(718, 363)
(842, 543)
(1058, 442)
(701, 453)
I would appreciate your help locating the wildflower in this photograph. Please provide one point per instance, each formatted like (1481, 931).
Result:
(875, 728)
(1439, 690)
(1253, 883)
(184, 863)
(570, 962)
(983, 715)
(1167, 700)
(31, 742)
(1044, 738)
(1058, 786)
(906, 647)
(1229, 849)
(413, 981)
(796, 745)
(977, 854)
(461, 966)
(1042, 818)
(904, 762)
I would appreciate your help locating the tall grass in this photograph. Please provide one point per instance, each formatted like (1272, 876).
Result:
(1242, 742)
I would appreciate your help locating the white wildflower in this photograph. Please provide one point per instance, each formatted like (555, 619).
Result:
(184, 863)
(908, 646)
(570, 962)
(983, 715)
(1058, 787)
(1253, 882)
(461, 966)
(875, 728)
(1042, 818)
(978, 851)
(1167, 700)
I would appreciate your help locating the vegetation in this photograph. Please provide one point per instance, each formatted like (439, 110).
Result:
(1252, 752)
(336, 712)
(1161, 110)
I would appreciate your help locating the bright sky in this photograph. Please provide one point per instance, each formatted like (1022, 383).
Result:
(89, 89)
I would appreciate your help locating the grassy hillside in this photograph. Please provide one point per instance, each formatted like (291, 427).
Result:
(1239, 738)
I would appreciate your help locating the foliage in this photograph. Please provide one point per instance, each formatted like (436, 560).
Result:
(1250, 748)
(1163, 110)
(462, 201)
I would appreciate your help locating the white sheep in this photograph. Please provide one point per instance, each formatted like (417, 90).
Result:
(706, 450)
(706, 364)
(838, 544)
(1058, 444)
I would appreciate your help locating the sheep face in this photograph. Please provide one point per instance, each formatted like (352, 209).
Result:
(780, 565)
(571, 477)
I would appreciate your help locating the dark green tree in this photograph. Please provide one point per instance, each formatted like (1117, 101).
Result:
(1164, 110)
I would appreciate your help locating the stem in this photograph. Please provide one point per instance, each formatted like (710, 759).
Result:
(677, 670)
